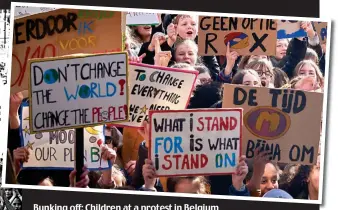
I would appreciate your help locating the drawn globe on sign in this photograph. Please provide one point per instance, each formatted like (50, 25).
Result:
(84, 91)
(50, 76)
(267, 122)
(237, 40)
(142, 77)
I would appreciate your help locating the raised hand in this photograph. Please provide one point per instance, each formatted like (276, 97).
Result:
(135, 59)
(162, 58)
(240, 174)
(172, 34)
(108, 154)
(84, 178)
(15, 102)
(231, 56)
(308, 28)
(161, 37)
(149, 174)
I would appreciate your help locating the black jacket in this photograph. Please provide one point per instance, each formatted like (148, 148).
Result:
(295, 53)
(138, 180)
(209, 61)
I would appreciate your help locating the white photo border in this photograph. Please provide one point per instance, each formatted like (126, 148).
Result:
(6, 94)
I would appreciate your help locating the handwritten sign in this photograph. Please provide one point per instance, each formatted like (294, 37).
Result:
(321, 29)
(247, 36)
(70, 92)
(55, 150)
(289, 29)
(195, 142)
(62, 32)
(285, 121)
(157, 88)
(4, 33)
(21, 11)
(142, 18)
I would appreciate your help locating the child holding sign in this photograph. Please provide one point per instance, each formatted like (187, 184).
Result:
(44, 178)
(195, 184)
(183, 27)
(289, 54)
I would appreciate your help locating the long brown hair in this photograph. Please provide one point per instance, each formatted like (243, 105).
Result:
(261, 64)
(281, 78)
(320, 78)
(245, 61)
(238, 78)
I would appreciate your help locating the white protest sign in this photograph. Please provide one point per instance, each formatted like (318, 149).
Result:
(195, 142)
(142, 18)
(21, 11)
(55, 149)
(157, 88)
(78, 91)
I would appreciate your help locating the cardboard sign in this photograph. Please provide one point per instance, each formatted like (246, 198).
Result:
(55, 150)
(247, 36)
(142, 18)
(195, 142)
(157, 88)
(289, 29)
(285, 121)
(62, 32)
(70, 92)
(321, 29)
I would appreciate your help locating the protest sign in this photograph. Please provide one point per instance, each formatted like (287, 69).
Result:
(289, 29)
(284, 121)
(142, 18)
(321, 29)
(195, 142)
(62, 32)
(71, 92)
(247, 36)
(55, 150)
(21, 11)
(157, 88)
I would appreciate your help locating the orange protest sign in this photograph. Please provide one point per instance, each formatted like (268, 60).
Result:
(62, 32)
(284, 122)
(321, 28)
(247, 36)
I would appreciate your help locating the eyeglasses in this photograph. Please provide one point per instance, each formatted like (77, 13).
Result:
(260, 73)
